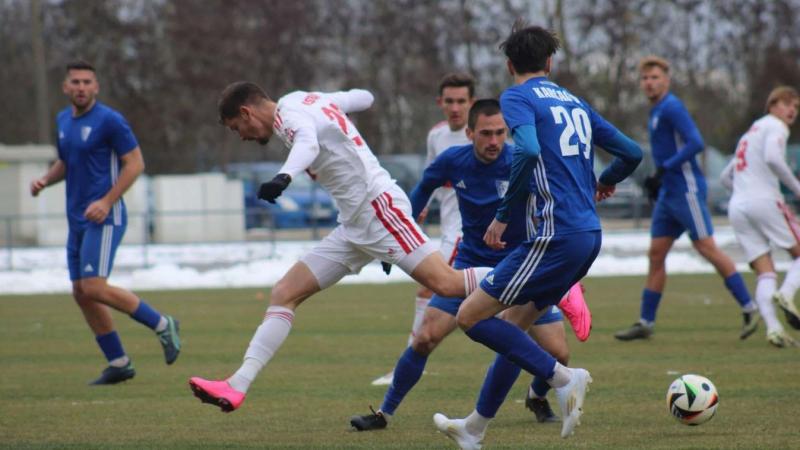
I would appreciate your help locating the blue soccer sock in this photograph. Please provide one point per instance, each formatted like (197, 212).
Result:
(110, 345)
(540, 387)
(650, 301)
(499, 379)
(406, 374)
(737, 288)
(513, 343)
(146, 315)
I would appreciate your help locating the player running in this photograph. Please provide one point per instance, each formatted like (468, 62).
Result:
(758, 213)
(479, 173)
(555, 132)
(679, 190)
(99, 157)
(374, 214)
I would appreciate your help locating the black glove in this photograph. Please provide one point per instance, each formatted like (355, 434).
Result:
(386, 267)
(653, 184)
(271, 190)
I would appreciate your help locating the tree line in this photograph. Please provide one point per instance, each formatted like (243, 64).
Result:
(163, 63)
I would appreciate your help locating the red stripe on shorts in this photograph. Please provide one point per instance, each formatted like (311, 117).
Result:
(791, 221)
(408, 224)
(454, 253)
(376, 205)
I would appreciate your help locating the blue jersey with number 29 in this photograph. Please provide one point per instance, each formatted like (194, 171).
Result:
(563, 180)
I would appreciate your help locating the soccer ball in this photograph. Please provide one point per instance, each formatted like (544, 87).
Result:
(692, 399)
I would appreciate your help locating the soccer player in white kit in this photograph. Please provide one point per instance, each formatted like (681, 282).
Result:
(456, 96)
(374, 214)
(758, 214)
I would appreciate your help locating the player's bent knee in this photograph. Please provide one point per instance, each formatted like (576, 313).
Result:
(93, 288)
(424, 343)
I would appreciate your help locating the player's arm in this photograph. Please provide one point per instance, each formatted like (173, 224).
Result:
(354, 100)
(132, 167)
(434, 176)
(687, 130)
(775, 157)
(54, 174)
(305, 149)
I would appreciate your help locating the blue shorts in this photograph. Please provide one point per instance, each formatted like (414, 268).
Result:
(91, 250)
(676, 213)
(543, 269)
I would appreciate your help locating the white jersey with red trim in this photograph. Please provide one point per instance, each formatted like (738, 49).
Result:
(759, 162)
(440, 138)
(325, 143)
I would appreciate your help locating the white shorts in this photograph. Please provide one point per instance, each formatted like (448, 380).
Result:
(386, 232)
(759, 223)
(449, 247)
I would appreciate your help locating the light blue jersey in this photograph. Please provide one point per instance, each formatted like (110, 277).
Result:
(90, 146)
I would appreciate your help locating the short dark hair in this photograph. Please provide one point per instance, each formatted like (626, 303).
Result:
(528, 47)
(236, 95)
(79, 64)
(485, 107)
(458, 79)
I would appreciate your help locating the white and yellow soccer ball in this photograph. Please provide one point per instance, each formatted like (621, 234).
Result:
(692, 399)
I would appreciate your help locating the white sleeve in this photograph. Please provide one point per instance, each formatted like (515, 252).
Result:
(775, 156)
(305, 147)
(354, 100)
(431, 155)
(726, 177)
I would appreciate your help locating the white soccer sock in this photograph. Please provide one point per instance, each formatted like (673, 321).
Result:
(561, 377)
(476, 424)
(765, 287)
(162, 325)
(122, 361)
(473, 277)
(266, 341)
(792, 281)
(419, 313)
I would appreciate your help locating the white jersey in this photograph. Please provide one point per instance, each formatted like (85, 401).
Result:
(760, 163)
(440, 138)
(325, 143)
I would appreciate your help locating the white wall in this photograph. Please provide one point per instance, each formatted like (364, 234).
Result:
(185, 205)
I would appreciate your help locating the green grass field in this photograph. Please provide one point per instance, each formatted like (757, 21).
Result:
(347, 336)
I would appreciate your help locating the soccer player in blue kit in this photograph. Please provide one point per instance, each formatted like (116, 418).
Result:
(554, 132)
(479, 173)
(679, 190)
(99, 157)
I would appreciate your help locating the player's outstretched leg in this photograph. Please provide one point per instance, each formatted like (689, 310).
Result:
(573, 305)
(170, 339)
(456, 429)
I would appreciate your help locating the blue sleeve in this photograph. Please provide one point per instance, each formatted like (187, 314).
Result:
(517, 110)
(692, 141)
(434, 176)
(526, 155)
(627, 153)
(120, 134)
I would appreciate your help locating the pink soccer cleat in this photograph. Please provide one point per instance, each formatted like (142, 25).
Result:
(218, 393)
(574, 307)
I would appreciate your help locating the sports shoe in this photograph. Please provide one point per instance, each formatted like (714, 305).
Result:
(788, 307)
(170, 340)
(636, 331)
(114, 375)
(570, 399)
(456, 430)
(374, 421)
(218, 393)
(384, 380)
(541, 408)
(573, 305)
(749, 323)
(780, 339)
